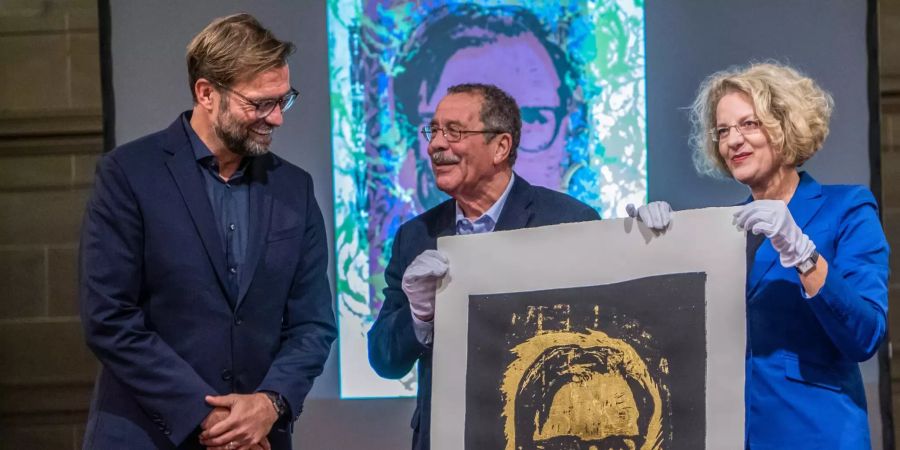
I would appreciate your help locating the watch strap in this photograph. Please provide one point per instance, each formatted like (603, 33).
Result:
(277, 402)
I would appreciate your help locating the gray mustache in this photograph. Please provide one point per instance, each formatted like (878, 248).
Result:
(443, 157)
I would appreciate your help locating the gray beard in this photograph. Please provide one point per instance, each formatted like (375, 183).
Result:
(236, 136)
(239, 141)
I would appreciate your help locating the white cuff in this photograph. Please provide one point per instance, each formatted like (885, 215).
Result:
(424, 330)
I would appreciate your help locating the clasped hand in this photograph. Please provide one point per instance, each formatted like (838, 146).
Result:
(238, 422)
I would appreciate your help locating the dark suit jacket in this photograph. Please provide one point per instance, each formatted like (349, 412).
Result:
(803, 385)
(393, 347)
(154, 302)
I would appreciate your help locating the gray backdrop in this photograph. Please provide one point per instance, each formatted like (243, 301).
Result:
(685, 41)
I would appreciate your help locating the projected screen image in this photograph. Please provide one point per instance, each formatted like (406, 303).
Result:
(576, 70)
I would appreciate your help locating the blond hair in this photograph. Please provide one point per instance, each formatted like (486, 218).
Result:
(234, 48)
(793, 110)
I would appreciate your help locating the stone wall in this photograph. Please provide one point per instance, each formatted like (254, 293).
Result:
(50, 138)
(889, 59)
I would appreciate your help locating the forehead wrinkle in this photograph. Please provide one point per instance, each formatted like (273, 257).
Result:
(453, 122)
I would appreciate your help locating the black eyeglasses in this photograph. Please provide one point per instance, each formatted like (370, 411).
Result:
(453, 134)
(266, 106)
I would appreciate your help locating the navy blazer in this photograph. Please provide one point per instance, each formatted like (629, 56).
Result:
(155, 305)
(803, 385)
(393, 346)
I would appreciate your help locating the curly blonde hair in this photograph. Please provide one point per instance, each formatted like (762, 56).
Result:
(793, 110)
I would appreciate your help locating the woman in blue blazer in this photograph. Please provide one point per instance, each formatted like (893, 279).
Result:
(817, 287)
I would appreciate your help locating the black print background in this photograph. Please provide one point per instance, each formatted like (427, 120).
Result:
(669, 308)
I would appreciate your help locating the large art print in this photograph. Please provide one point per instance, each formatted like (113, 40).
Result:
(576, 69)
(596, 335)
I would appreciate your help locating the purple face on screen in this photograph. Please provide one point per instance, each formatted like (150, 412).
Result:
(522, 67)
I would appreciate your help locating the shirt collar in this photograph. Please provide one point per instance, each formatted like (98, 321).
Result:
(202, 153)
(492, 214)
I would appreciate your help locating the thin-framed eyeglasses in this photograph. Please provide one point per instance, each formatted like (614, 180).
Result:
(266, 106)
(749, 126)
(453, 134)
(540, 126)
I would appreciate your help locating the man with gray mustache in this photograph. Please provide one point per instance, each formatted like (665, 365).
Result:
(473, 139)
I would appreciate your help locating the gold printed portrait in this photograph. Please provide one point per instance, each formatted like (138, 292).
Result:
(580, 387)
(618, 366)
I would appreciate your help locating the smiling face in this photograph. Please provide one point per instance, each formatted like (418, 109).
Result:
(236, 123)
(532, 80)
(749, 157)
(461, 167)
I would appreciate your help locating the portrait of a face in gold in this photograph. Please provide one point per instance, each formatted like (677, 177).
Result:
(612, 367)
(580, 391)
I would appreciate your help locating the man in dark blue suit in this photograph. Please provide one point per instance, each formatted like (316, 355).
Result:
(473, 139)
(203, 265)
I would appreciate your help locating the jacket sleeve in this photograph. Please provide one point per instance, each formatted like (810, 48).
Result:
(111, 266)
(309, 325)
(587, 214)
(852, 304)
(393, 346)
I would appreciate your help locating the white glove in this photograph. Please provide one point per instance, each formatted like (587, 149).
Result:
(656, 215)
(773, 219)
(420, 281)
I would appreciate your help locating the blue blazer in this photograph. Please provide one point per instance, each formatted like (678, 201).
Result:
(154, 303)
(803, 385)
(393, 347)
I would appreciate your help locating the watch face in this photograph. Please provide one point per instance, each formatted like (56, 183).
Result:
(277, 402)
(808, 264)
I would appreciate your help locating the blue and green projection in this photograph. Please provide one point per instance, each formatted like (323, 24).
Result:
(576, 68)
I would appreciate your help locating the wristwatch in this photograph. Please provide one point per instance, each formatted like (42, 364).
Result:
(807, 265)
(277, 402)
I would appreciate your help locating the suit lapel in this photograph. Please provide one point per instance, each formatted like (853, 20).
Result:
(445, 225)
(804, 205)
(260, 218)
(516, 212)
(183, 167)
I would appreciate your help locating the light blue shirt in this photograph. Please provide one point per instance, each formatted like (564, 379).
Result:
(484, 224)
(488, 220)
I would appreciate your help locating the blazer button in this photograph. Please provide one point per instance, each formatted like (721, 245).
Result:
(226, 375)
(238, 321)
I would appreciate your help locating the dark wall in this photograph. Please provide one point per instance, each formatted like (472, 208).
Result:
(689, 39)
(685, 41)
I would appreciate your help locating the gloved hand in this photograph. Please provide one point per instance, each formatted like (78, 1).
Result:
(656, 215)
(420, 281)
(773, 219)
